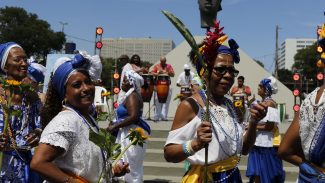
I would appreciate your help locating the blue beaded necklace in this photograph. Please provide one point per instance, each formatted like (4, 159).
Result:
(235, 139)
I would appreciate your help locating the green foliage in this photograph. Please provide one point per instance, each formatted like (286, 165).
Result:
(33, 34)
(305, 62)
(106, 141)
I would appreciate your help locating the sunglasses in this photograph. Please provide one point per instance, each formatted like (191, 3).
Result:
(223, 70)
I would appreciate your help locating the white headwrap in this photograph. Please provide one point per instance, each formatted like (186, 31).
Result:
(135, 80)
(270, 84)
(4, 52)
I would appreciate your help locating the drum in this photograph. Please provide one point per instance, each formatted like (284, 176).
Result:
(162, 87)
(185, 92)
(147, 88)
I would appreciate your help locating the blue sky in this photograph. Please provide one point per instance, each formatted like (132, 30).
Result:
(250, 22)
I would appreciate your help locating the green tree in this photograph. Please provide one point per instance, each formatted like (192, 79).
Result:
(285, 76)
(305, 62)
(305, 65)
(33, 34)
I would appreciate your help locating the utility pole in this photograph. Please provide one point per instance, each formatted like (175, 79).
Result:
(276, 51)
(63, 24)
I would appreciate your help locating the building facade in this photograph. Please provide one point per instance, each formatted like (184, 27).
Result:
(288, 50)
(147, 48)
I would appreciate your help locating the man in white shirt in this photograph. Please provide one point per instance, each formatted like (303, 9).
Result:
(185, 78)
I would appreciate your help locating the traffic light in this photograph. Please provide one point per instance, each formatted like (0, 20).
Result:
(116, 90)
(320, 76)
(296, 77)
(99, 45)
(296, 107)
(99, 31)
(296, 92)
(98, 39)
(116, 76)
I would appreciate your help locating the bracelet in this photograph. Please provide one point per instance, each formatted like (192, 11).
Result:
(187, 148)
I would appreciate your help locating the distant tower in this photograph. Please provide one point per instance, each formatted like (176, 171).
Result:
(70, 47)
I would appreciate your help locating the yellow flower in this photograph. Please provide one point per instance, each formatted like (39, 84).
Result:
(141, 133)
(105, 94)
(238, 103)
(13, 82)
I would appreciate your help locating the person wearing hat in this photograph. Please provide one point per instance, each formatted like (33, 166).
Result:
(65, 152)
(35, 76)
(185, 78)
(263, 163)
(192, 132)
(135, 65)
(24, 131)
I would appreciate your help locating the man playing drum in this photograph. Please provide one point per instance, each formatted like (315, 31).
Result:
(184, 81)
(162, 70)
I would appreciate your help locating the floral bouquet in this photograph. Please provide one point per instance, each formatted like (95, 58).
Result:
(106, 141)
(13, 87)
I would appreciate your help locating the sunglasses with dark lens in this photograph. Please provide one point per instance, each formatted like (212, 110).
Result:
(223, 70)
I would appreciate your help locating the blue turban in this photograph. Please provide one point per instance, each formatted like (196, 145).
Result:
(4, 52)
(231, 50)
(36, 72)
(270, 85)
(64, 71)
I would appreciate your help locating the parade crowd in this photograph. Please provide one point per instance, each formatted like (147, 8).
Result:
(45, 137)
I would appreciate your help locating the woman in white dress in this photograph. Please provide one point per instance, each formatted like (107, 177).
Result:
(129, 115)
(191, 132)
(65, 153)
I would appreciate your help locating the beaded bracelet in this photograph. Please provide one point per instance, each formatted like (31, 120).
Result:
(187, 148)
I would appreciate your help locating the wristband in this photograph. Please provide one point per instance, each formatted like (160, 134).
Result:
(187, 148)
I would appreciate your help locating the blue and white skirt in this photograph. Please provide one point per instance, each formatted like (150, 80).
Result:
(264, 162)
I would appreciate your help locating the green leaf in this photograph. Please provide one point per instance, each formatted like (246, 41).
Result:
(186, 34)
(102, 116)
(182, 29)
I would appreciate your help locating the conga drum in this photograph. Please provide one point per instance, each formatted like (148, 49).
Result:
(162, 87)
(185, 92)
(147, 88)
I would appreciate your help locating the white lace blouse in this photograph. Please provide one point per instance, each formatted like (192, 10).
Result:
(81, 157)
(265, 138)
(311, 115)
(226, 140)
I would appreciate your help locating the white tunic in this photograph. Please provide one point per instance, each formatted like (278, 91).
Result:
(184, 80)
(311, 115)
(221, 147)
(265, 138)
(81, 157)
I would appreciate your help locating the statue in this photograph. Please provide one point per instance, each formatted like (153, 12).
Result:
(208, 12)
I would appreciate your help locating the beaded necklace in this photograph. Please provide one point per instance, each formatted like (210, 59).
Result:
(228, 136)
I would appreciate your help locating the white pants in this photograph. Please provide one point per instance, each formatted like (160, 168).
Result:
(134, 156)
(161, 109)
